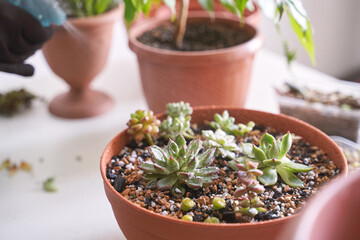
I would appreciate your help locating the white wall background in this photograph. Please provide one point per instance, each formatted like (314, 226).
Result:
(337, 36)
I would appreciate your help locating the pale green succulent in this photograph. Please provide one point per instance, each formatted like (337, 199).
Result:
(177, 164)
(225, 144)
(271, 156)
(227, 124)
(177, 121)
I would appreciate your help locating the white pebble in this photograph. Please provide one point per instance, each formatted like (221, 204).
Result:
(279, 189)
(311, 174)
(277, 208)
(132, 159)
(228, 179)
(164, 213)
(121, 164)
(140, 172)
(282, 209)
(311, 183)
(171, 202)
(271, 194)
(153, 204)
(253, 211)
(291, 210)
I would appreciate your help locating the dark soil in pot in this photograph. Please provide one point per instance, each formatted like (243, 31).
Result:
(198, 36)
(280, 200)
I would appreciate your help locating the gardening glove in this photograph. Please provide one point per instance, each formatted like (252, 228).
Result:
(20, 35)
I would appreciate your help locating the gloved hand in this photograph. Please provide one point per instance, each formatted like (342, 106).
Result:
(20, 36)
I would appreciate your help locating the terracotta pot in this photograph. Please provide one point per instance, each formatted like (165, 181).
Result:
(215, 77)
(333, 214)
(139, 223)
(77, 53)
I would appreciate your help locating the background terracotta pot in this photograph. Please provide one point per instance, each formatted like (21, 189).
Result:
(77, 53)
(139, 223)
(333, 214)
(216, 77)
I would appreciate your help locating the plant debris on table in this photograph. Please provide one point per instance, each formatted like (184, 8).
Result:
(14, 101)
(217, 177)
(12, 168)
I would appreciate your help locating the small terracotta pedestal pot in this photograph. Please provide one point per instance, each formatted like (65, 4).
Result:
(139, 223)
(214, 77)
(77, 53)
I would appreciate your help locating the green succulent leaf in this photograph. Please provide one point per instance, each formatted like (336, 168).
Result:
(161, 170)
(167, 182)
(172, 148)
(297, 167)
(259, 153)
(207, 171)
(285, 145)
(206, 158)
(184, 175)
(274, 151)
(192, 165)
(272, 162)
(173, 165)
(266, 140)
(151, 184)
(247, 149)
(232, 164)
(193, 148)
(180, 141)
(147, 167)
(194, 182)
(151, 176)
(158, 155)
(206, 181)
(129, 13)
(269, 176)
(289, 178)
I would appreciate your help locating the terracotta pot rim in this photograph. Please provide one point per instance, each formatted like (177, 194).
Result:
(98, 19)
(251, 45)
(103, 163)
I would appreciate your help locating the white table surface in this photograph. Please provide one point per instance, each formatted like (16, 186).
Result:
(80, 210)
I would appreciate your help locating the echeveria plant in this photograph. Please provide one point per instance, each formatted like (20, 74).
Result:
(271, 156)
(225, 144)
(178, 163)
(143, 124)
(227, 124)
(177, 121)
(273, 9)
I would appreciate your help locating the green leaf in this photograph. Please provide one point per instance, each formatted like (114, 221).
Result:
(129, 13)
(297, 167)
(161, 170)
(147, 167)
(231, 6)
(206, 181)
(101, 6)
(88, 7)
(208, 5)
(193, 148)
(151, 184)
(269, 176)
(241, 6)
(305, 36)
(173, 165)
(152, 176)
(266, 140)
(289, 178)
(268, 7)
(146, 6)
(192, 165)
(184, 175)
(206, 158)
(158, 156)
(233, 164)
(194, 183)
(290, 54)
(180, 140)
(258, 153)
(207, 171)
(247, 149)
(272, 162)
(172, 148)
(285, 145)
(167, 182)
(274, 151)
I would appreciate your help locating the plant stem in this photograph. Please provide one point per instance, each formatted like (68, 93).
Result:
(181, 23)
(149, 139)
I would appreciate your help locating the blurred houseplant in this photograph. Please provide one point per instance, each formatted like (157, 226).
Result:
(78, 52)
(229, 69)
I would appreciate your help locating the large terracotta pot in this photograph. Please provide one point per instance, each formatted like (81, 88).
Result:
(77, 53)
(333, 214)
(139, 223)
(215, 77)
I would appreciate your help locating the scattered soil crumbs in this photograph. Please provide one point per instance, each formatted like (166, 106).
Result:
(280, 200)
(198, 37)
